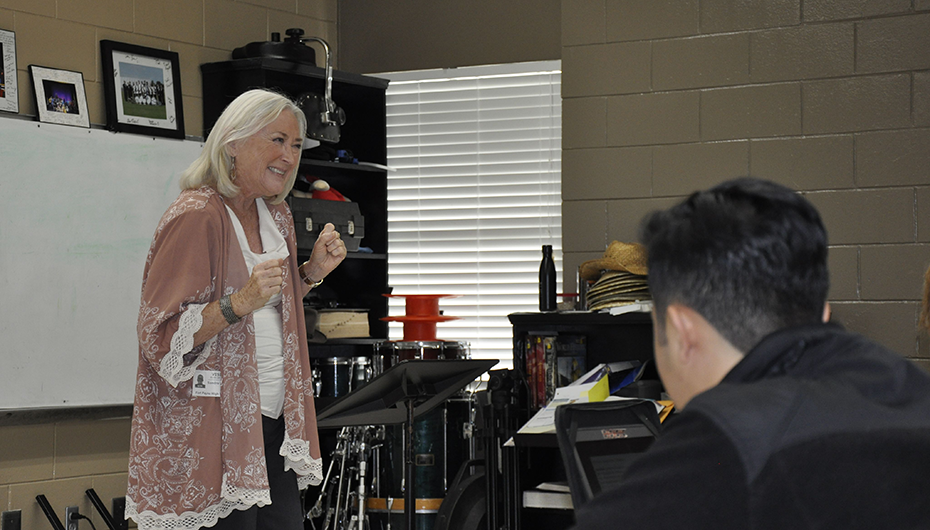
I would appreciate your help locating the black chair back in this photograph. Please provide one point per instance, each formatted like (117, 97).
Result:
(598, 440)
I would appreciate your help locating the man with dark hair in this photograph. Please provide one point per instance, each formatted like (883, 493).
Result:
(785, 421)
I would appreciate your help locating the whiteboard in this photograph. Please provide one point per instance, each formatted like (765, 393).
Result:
(78, 208)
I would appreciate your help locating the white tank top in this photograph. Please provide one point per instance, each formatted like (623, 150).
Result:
(269, 333)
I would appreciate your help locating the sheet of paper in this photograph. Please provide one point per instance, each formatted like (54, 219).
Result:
(635, 307)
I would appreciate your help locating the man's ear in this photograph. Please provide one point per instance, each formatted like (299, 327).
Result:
(684, 328)
(827, 311)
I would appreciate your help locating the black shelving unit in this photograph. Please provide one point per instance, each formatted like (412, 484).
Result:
(361, 280)
(609, 338)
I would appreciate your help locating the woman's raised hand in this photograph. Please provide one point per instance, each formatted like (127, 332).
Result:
(328, 252)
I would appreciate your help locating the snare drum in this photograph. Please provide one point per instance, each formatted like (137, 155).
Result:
(382, 357)
(454, 350)
(417, 350)
(332, 376)
(389, 353)
(361, 372)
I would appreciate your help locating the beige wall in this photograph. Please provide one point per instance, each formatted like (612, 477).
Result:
(66, 34)
(421, 34)
(62, 460)
(662, 97)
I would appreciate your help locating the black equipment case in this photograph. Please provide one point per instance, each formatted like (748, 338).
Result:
(310, 215)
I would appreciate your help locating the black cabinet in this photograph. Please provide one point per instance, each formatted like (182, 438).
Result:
(361, 280)
(608, 338)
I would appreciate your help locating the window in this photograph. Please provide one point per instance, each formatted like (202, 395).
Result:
(475, 194)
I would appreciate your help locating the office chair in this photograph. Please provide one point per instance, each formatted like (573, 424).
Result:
(598, 440)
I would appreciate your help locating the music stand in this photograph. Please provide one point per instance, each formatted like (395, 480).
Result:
(392, 397)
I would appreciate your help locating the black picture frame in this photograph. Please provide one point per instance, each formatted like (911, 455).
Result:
(142, 89)
(59, 96)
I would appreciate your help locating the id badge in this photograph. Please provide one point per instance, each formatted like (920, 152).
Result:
(207, 383)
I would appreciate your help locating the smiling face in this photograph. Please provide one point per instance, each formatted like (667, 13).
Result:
(265, 160)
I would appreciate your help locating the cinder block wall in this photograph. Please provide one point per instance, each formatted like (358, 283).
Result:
(663, 97)
(422, 34)
(61, 460)
(66, 34)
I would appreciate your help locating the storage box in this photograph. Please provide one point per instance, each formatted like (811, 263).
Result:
(347, 323)
(311, 215)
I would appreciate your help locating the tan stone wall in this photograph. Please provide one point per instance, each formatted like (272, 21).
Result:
(421, 34)
(62, 461)
(65, 34)
(664, 97)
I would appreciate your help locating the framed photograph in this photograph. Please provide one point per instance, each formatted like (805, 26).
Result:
(9, 95)
(142, 88)
(60, 96)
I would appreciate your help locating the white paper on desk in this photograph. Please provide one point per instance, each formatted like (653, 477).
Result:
(544, 420)
(635, 307)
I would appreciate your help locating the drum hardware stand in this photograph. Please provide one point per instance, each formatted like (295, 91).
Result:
(362, 463)
(409, 465)
(501, 465)
(342, 474)
(353, 442)
(329, 482)
(390, 506)
(317, 509)
(421, 386)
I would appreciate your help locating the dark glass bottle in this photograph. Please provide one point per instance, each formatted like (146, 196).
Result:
(547, 280)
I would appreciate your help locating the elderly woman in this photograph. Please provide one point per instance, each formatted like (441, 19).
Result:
(224, 428)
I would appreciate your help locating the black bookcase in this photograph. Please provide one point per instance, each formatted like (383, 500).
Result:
(361, 280)
(609, 338)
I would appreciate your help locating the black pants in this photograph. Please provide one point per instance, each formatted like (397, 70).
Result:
(285, 511)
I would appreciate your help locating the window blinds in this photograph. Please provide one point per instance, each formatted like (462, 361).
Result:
(475, 194)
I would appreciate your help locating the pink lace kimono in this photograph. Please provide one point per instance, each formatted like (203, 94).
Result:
(195, 459)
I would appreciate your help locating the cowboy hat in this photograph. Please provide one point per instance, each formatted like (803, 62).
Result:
(629, 257)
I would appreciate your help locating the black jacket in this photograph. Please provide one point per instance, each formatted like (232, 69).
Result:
(814, 428)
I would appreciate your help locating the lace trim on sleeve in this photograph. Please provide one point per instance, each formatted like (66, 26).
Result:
(296, 455)
(172, 364)
(233, 499)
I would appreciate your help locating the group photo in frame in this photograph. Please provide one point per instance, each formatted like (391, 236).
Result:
(142, 89)
(9, 95)
(60, 96)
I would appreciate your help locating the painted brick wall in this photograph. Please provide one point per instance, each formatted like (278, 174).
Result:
(61, 461)
(663, 97)
(66, 34)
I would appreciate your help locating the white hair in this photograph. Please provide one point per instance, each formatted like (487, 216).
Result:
(246, 115)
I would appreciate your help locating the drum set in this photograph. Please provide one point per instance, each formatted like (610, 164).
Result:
(363, 488)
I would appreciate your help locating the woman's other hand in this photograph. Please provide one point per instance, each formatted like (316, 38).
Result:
(265, 282)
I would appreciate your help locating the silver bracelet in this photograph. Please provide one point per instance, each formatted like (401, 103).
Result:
(227, 310)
